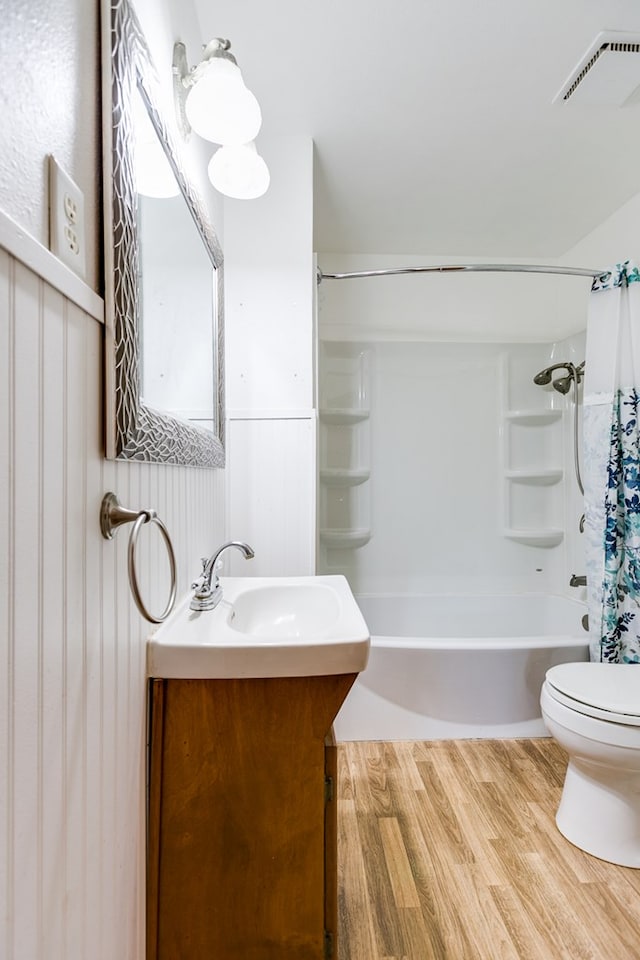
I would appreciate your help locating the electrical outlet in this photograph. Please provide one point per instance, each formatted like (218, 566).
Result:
(66, 219)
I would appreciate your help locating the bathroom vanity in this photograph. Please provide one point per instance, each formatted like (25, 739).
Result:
(242, 861)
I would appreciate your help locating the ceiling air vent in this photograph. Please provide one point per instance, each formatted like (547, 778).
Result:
(607, 75)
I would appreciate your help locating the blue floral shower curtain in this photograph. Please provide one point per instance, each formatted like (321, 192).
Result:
(611, 438)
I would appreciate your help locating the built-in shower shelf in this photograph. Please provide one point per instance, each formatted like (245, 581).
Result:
(549, 537)
(344, 494)
(343, 416)
(345, 539)
(540, 478)
(336, 477)
(533, 418)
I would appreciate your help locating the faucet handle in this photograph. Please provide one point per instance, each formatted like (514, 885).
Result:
(201, 581)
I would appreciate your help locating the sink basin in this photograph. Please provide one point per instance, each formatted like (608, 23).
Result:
(286, 610)
(264, 627)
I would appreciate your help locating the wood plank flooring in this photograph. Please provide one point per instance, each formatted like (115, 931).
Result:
(448, 850)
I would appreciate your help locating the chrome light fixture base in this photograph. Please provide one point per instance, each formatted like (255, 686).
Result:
(180, 71)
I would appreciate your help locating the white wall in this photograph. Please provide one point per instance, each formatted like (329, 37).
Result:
(271, 495)
(72, 671)
(50, 104)
(270, 286)
(616, 239)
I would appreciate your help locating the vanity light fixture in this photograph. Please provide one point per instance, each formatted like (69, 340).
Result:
(212, 99)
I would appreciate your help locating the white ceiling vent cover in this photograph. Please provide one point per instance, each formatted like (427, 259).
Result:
(607, 75)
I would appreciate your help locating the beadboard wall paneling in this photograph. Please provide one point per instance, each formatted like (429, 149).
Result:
(72, 643)
(271, 496)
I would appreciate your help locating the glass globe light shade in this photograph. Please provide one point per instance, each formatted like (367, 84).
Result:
(239, 172)
(220, 108)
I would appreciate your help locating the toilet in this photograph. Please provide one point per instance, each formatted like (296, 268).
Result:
(593, 711)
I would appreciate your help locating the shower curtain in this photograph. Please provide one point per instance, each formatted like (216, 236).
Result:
(611, 437)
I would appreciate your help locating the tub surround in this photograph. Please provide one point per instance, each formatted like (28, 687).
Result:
(476, 454)
(447, 498)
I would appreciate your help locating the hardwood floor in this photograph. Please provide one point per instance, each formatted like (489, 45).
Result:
(448, 850)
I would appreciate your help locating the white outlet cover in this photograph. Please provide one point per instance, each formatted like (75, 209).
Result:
(67, 235)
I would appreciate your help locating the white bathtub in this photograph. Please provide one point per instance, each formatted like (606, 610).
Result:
(459, 666)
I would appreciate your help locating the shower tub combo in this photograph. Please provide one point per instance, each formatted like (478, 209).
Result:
(459, 666)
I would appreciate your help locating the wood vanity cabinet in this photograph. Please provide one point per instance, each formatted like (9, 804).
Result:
(242, 829)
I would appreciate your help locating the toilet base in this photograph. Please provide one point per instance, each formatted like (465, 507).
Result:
(600, 811)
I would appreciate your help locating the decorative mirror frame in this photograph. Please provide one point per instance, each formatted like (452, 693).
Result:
(135, 431)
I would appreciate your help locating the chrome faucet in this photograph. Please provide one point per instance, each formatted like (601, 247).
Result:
(208, 591)
(577, 581)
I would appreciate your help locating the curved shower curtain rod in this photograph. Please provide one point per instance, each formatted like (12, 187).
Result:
(470, 267)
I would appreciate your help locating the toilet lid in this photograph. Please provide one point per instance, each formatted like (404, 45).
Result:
(609, 690)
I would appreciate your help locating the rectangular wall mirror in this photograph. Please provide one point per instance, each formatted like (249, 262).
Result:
(164, 376)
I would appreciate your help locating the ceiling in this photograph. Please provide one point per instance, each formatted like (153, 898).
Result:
(432, 120)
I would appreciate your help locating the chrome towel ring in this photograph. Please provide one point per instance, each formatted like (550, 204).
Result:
(113, 515)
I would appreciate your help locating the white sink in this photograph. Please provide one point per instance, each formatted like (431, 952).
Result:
(286, 610)
(264, 627)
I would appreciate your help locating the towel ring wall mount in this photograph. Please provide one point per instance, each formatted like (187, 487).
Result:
(112, 516)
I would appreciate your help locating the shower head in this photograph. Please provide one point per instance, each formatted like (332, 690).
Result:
(563, 384)
(544, 377)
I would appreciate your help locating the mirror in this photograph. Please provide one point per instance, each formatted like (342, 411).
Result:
(164, 381)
